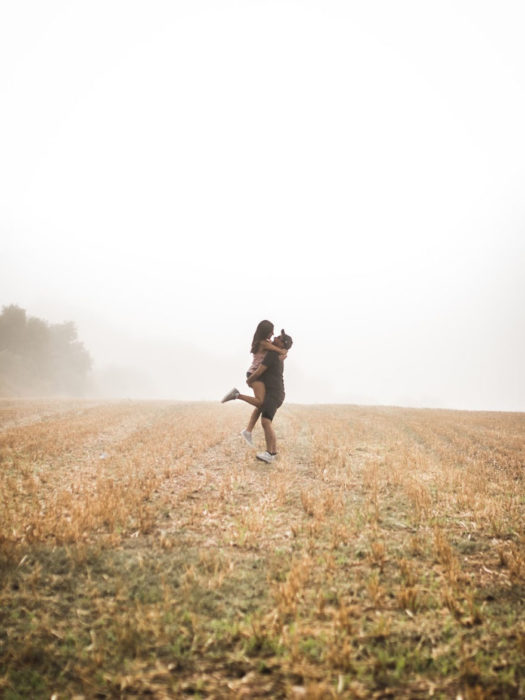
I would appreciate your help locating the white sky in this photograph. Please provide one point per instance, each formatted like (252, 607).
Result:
(173, 172)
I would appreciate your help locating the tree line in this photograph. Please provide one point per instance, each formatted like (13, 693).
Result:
(38, 358)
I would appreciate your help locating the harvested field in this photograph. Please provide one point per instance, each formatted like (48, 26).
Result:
(144, 552)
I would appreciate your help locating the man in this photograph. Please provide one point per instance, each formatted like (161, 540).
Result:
(270, 372)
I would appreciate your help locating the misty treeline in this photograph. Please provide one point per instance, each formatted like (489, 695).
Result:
(39, 358)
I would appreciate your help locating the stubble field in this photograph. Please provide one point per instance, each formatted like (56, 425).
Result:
(144, 552)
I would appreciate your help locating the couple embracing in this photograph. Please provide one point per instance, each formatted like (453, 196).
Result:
(265, 378)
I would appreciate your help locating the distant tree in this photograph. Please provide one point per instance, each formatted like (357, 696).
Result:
(40, 358)
(13, 324)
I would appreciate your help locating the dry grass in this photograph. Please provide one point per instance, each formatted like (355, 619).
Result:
(144, 552)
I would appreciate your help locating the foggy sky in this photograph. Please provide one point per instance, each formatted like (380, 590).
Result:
(171, 173)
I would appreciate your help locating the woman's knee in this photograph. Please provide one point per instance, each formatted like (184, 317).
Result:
(258, 399)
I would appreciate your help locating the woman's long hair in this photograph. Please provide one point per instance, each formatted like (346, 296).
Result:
(263, 331)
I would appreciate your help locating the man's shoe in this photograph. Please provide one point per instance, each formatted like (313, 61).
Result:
(234, 393)
(247, 436)
(265, 456)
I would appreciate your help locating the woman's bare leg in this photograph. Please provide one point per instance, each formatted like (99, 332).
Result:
(253, 420)
(249, 399)
(259, 390)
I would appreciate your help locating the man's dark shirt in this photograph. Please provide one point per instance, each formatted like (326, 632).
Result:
(272, 377)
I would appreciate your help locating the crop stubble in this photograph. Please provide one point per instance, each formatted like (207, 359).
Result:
(144, 551)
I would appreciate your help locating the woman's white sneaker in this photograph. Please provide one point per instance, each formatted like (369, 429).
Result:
(247, 436)
(230, 396)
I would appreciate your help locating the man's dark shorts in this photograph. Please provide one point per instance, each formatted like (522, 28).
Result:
(272, 401)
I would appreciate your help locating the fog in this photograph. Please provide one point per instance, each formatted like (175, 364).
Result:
(171, 173)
